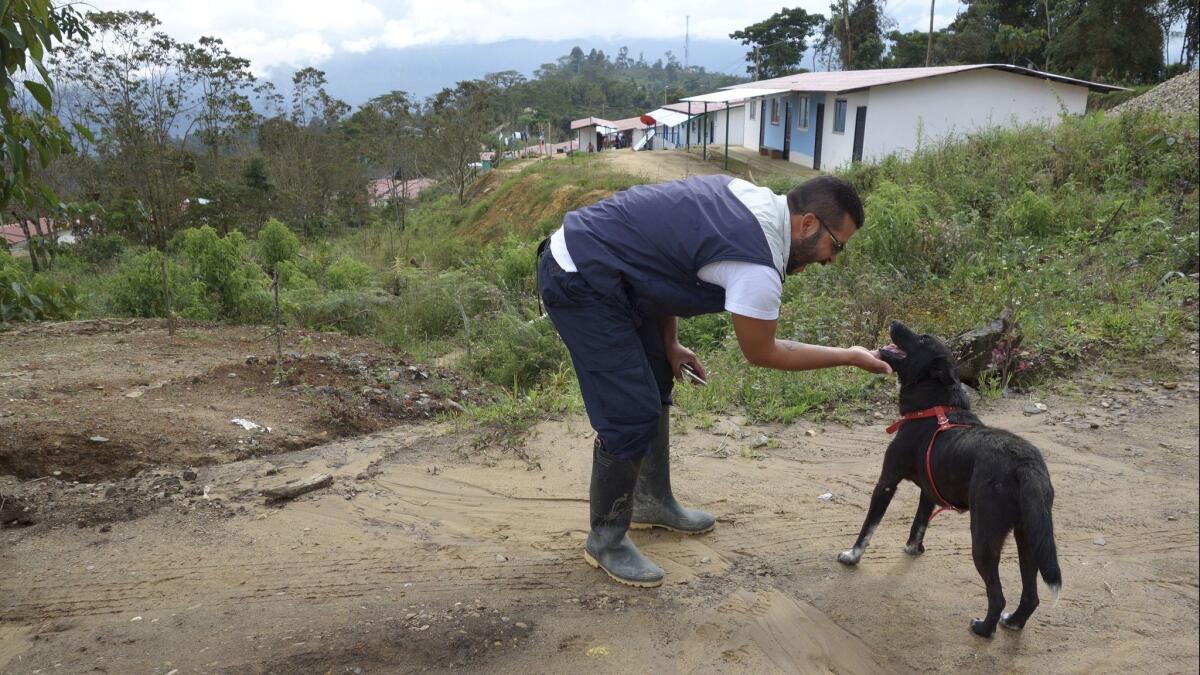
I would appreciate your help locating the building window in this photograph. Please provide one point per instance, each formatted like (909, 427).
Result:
(802, 116)
(839, 116)
(753, 105)
(774, 111)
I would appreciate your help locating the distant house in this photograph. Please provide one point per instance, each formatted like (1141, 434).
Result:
(830, 119)
(589, 132)
(386, 189)
(14, 233)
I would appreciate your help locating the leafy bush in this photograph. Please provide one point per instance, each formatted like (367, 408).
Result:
(433, 306)
(356, 312)
(32, 299)
(349, 274)
(276, 244)
(291, 277)
(100, 249)
(228, 280)
(519, 351)
(137, 289)
(904, 231)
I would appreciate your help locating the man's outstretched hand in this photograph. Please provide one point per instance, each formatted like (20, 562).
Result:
(869, 361)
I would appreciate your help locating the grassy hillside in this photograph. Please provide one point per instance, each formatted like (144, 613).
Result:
(1087, 232)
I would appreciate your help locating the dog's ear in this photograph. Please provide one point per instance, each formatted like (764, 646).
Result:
(945, 371)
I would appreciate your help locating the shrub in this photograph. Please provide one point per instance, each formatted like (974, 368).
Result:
(349, 274)
(32, 299)
(276, 244)
(432, 307)
(518, 351)
(99, 249)
(216, 262)
(355, 312)
(137, 289)
(291, 277)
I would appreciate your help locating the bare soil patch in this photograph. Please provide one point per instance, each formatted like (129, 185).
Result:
(430, 552)
(92, 401)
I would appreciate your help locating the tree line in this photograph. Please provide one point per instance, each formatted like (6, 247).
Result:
(1116, 41)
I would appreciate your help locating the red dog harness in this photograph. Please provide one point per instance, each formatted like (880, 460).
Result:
(940, 412)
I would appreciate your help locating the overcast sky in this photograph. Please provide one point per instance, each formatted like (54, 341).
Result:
(292, 33)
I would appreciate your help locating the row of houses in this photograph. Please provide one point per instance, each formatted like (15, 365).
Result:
(827, 120)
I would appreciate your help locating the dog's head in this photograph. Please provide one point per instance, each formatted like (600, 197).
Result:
(927, 370)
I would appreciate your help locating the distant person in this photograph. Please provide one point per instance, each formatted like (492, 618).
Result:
(615, 277)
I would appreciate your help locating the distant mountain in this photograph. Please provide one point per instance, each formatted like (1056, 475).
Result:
(423, 71)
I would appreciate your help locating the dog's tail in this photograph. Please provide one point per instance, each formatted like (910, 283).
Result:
(1037, 498)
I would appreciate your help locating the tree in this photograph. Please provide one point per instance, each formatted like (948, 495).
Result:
(458, 121)
(1115, 40)
(1186, 14)
(311, 104)
(134, 92)
(854, 34)
(29, 30)
(223, 81)
(779, 42)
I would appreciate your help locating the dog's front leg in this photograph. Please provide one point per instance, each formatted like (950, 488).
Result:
(880, 498)
(916, 536)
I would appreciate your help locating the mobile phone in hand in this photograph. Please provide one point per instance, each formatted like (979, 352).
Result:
(691, 374)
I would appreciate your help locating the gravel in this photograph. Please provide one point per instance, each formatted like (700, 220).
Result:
(1178, 94)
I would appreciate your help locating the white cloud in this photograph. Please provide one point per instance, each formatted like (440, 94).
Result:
(305, 32)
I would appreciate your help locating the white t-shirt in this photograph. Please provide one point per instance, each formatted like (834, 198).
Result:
(751, 289)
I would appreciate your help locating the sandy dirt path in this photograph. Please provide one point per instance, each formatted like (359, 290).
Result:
(428, 555)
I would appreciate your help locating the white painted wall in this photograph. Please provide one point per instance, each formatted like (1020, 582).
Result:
(585, 136)
(838, 148)
(750, 126)
(736, 126)
(952, 104)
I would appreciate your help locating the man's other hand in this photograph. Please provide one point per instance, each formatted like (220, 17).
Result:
(677, 355)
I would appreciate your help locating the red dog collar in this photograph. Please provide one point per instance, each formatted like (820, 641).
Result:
(942, 414)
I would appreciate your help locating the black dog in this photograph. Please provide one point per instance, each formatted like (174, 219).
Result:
(960, 463)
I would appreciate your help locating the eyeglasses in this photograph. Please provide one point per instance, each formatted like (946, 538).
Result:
(837, 243)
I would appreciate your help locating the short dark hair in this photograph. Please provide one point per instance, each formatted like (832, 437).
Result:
(830, 198)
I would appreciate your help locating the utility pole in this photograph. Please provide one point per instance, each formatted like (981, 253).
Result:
(929, 45)
(756, 63)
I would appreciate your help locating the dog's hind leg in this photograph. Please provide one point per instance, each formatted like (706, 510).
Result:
(885, 489)
(987, 540)
(916, 536)
(1029, 591)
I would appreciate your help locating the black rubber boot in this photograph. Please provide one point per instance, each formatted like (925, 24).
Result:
(608, 544)
(653, 503)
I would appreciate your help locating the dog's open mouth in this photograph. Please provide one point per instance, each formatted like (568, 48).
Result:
(894, 351)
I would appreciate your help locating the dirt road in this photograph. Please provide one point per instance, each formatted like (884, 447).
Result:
(429, 554)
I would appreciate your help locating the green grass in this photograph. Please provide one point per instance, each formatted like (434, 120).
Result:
(1081, 231)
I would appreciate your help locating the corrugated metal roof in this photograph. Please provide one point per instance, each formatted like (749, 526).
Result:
(839, 81)
(734, 96)
(667, 116)
(628, 123)
(590, 122)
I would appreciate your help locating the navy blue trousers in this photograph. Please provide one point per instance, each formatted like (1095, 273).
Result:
(618, 356)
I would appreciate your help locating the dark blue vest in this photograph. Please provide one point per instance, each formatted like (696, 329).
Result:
(647, 243)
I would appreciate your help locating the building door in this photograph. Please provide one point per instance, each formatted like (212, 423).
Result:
(820, 122)
(762, 116)
(787, 129)
(860, 127)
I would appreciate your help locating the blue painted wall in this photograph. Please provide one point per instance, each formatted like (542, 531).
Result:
(773, 134)
(804, 140)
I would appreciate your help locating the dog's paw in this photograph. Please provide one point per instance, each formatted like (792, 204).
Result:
(1004, 621)
(979, 627)
(914, 550)
(849, 557)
